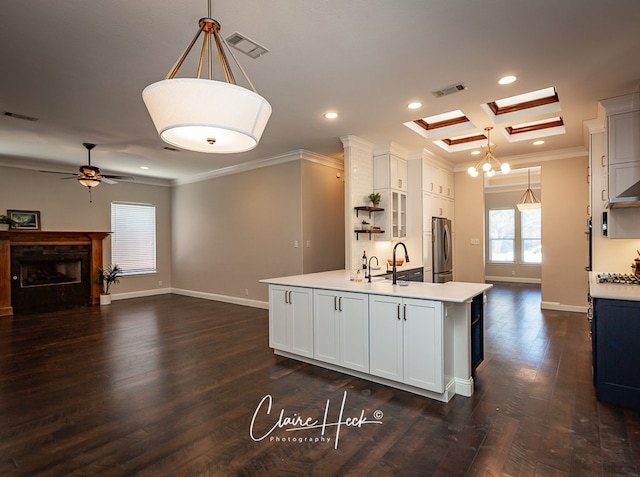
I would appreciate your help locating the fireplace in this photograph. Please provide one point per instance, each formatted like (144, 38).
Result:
(42, 273)
(48, 271)
(50, 277)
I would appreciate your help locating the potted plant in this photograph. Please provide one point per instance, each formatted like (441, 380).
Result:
(7, 222)
(366, 225)
(375, 197)
(106, 277)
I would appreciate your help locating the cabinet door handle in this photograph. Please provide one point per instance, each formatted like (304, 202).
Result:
(335, 303)
(405, 312)
(602, 195)
(286, 296)
(398, 310)
(290, 297)
(602, 163)
(340, 304)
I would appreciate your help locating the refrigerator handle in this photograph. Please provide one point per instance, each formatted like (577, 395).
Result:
(447, 243)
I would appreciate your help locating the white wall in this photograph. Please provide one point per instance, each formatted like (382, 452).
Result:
(565, 251)
(64, 206)
(231, 231)
(469, 216)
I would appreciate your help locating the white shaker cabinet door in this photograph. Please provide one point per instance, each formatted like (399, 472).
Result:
(385, 327)
(354, 331)
(341, 327)
(291, 319)
(423, 337)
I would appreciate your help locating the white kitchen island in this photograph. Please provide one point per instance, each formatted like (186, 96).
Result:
(415, 337)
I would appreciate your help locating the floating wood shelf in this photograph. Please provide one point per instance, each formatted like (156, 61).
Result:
(367, 208)
(371, 231)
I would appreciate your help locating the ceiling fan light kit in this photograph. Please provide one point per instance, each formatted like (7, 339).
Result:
(207, 115)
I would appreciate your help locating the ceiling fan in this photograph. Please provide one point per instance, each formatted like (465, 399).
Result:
(90, 176)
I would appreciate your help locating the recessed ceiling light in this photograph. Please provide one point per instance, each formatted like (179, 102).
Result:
(331, 115)
(144, 167)
(507, 79)
(538, 143)
(475, 153)
(414, 105)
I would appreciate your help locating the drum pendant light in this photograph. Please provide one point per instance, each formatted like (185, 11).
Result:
(203, 114)
(528, 201)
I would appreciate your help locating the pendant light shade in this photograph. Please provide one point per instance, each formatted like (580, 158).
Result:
(529, 201)
(203, 114)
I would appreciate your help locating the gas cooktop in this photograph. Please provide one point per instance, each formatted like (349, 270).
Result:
(619, 278)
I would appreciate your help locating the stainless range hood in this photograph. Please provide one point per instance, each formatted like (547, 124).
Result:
(628, 198)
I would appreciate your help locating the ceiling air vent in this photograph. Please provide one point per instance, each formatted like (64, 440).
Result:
(19, 116)
(446, 91)
(245, 45)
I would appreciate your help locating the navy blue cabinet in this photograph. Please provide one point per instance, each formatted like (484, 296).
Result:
(616, 351)
(477, 331)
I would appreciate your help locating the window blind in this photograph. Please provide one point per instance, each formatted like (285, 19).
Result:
(133, 239)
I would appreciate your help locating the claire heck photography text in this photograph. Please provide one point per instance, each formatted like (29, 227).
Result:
(279, 425)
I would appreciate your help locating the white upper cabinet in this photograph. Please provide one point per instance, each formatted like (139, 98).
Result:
(394, 217)
(623, 135)
(623, 149)
(389, 172)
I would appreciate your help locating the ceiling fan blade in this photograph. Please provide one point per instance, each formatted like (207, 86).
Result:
(107, 181)
(119, 178)
(56, 172)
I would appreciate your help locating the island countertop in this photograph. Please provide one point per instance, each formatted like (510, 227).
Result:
(339, 280)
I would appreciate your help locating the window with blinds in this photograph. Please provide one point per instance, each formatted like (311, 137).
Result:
(133, 238)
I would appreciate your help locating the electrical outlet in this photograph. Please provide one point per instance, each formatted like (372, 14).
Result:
(159, 283)
(246, 292)
(295, 244)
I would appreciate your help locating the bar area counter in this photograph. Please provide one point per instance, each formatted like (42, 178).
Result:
(425, 338)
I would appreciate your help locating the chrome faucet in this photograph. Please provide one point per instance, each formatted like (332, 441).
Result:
(406, 259)
(377, 265)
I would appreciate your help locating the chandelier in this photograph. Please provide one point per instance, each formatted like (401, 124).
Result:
(203, 114)
(488, 161)
(528, 201)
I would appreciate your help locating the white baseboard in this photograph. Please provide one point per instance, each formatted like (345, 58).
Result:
(223, 298)
(513, 280)
(554, 305)
(140, 294)
(194, 294)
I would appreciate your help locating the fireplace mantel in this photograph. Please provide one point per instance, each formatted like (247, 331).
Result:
(38, 237)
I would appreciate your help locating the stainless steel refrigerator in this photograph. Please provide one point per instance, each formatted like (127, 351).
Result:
(442, 250)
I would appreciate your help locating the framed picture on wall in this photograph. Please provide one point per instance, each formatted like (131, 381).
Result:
(26, 219)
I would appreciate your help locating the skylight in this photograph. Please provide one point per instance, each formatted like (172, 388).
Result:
(523, 107)
(441, 124)
(535, 129)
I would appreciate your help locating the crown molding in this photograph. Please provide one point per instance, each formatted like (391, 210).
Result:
(299, 154)
(537, 157)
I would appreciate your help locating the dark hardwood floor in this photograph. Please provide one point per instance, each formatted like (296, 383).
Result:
(173, 386)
